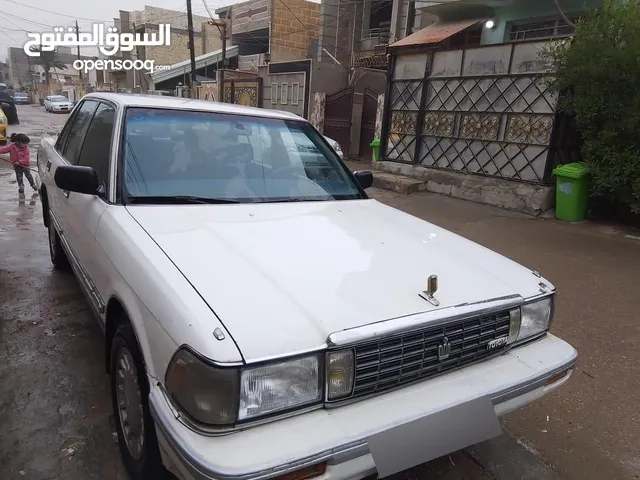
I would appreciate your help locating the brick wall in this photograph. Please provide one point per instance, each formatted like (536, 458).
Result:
(174, 53)
(291, 34)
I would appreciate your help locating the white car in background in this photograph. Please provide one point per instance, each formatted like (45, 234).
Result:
(57, 103)
(335, 145)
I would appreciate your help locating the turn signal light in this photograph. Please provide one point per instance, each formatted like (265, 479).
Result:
(303, 473)
(558, 376)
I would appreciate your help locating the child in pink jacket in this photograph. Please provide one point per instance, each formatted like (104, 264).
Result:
(19, 156)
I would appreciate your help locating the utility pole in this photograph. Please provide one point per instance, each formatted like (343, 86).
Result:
(78, 38)
(192, 50)
(222, 28)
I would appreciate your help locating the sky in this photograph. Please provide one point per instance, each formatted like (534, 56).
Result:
(39, 16)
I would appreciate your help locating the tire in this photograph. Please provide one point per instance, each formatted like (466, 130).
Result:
(57, 253)
(142, 459)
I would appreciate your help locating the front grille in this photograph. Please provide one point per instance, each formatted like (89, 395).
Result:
(404, 358)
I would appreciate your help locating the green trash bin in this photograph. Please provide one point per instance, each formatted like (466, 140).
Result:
(375, 145)
(571, 192)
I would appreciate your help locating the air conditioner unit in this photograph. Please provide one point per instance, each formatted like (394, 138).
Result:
(264, 59)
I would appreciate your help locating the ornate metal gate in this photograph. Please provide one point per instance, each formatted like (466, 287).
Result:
(486, 110)
(367, 129)
(337, 117)
(243, 92)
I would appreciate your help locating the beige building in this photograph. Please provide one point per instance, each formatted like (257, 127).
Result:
(206, 39)
(283, 29)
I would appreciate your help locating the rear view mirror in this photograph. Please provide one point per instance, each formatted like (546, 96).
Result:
(77, 179)
(364, 178)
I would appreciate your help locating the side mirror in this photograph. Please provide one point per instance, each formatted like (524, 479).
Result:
(5, 105)
(74, 178)
(364, 178)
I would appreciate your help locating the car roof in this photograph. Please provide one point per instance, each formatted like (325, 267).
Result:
(160, 101)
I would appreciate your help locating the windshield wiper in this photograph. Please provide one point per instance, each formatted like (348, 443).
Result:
(179, 200)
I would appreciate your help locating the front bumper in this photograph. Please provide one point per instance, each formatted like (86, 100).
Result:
(339, 436)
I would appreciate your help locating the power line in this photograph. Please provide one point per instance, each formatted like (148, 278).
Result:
(52, 12)
(10, 37)
(27, 20)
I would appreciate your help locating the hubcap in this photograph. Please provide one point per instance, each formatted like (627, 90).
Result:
(129, 401)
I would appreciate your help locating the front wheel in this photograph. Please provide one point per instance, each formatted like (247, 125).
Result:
(57, 253)
(130, 397)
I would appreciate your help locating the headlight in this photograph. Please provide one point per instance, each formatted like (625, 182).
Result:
(278, 387)
(535, 318)
(223, 396)
(337, 148)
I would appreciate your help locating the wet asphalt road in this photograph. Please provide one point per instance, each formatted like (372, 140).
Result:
(55, 411)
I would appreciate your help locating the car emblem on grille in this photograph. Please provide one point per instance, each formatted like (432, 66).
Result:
(498, 342)
(430, 290)
(444, 350)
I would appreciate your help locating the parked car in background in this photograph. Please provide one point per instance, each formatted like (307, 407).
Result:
(8, 106)
(57, 104)
(3, 128)
(335, 145)
(263, 317)
(21, 98)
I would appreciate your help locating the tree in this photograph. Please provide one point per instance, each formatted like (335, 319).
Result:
(598, 75)
(48, 60)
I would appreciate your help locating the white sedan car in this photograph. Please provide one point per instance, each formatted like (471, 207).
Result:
(263, 317)
(335, 145)
(57, 104)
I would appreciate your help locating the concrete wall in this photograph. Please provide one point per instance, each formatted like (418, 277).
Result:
(328, 77)
(177, 19)
(249, 16)
(294, 24)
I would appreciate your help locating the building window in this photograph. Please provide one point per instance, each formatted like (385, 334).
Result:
(274, 94)
(284, 94)
(295, 93)
(470, 37)
(541, 29)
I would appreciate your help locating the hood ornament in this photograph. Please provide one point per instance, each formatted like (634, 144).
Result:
(430, 289)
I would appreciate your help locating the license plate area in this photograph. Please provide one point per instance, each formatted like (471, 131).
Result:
(433, 436)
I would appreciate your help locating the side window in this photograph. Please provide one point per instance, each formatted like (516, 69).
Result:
(62, 138)
(97, 145)
(77, 129)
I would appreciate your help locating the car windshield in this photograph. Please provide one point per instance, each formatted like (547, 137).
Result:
(59, 99)
(205, 156)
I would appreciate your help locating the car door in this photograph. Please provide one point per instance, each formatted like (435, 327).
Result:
(84, 211)
(66, 151)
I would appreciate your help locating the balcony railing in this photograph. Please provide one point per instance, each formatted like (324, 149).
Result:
(380, 34)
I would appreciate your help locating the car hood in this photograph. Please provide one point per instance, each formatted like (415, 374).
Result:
(282, 277)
